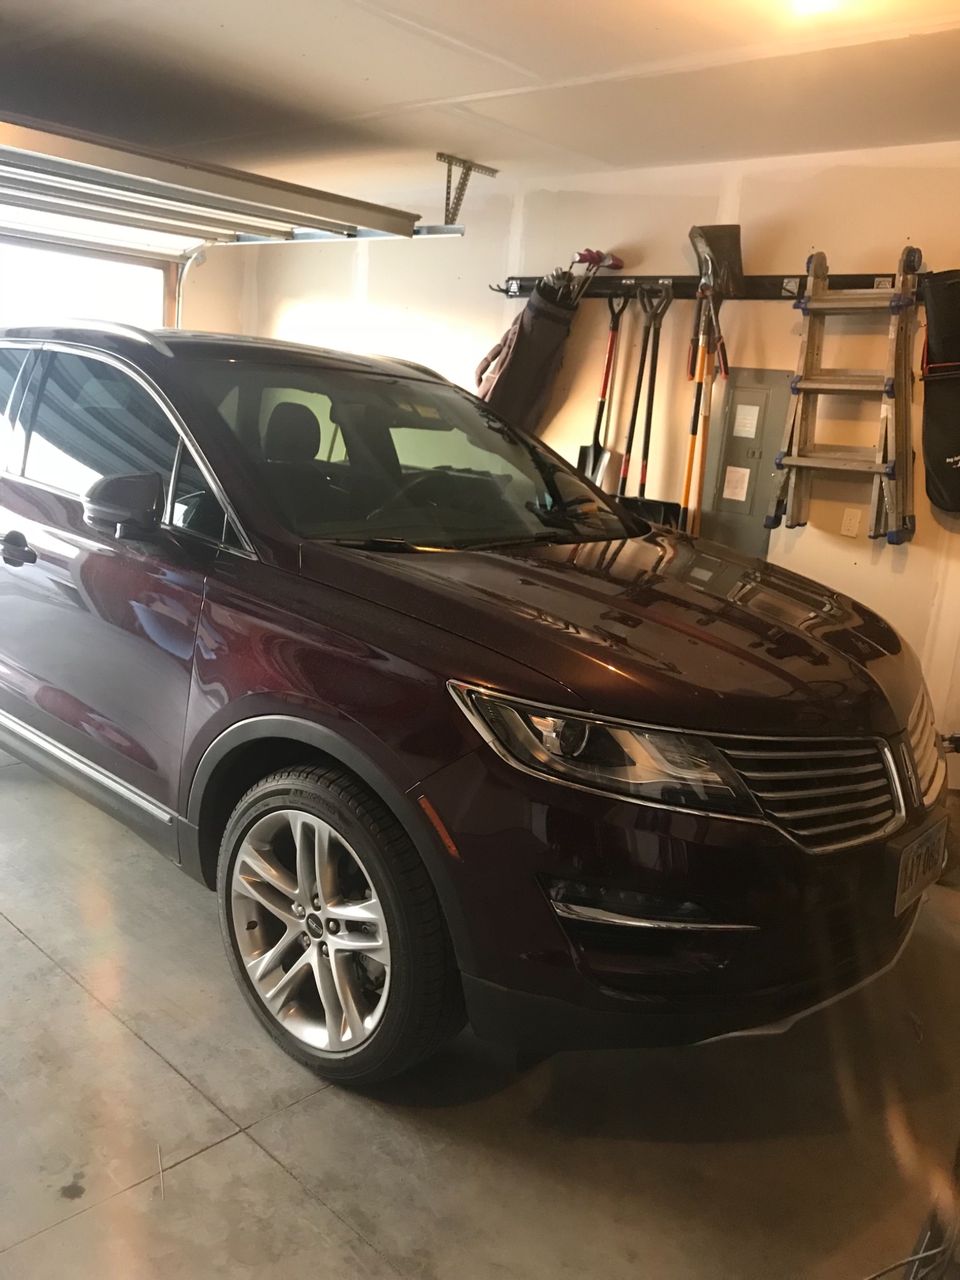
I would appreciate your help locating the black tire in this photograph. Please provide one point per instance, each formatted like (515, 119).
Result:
(424, 1004)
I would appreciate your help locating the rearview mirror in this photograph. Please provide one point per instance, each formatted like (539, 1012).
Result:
(125, 506)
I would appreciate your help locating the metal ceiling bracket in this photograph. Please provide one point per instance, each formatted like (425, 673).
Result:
(454, 198)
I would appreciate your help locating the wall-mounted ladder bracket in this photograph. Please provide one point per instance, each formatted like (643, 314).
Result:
(454, 196)
(890, 463)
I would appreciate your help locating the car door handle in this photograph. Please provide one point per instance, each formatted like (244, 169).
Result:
(15, 551)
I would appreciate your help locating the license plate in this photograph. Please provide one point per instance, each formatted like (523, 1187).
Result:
(920, 864)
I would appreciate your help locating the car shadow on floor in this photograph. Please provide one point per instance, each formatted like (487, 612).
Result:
(893, 1044)
(810, 1153)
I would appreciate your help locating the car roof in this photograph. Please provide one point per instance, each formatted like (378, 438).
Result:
(131, 342)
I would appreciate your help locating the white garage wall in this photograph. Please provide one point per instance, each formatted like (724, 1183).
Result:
(430, 302)
(425, 300)
(861, 209)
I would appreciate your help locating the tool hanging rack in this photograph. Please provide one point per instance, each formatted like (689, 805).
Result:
(756, 288)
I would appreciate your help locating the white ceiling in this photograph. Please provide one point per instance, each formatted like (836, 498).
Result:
(357, 95)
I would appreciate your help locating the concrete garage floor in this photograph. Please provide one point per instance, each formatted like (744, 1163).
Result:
(810, 1154)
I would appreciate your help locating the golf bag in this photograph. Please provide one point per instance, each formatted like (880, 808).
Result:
(941, 389)
(516, 376)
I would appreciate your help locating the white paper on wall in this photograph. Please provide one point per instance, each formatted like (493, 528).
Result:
(745, 421)
(736, 482)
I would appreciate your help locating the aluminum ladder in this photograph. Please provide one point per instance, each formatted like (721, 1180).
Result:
(891, 462)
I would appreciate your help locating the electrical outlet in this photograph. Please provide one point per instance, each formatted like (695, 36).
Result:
(850, 524)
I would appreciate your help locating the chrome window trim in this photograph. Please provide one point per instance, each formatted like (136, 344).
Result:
(168, 523)
(459, 688)
(95, 543)
(90, 770)
(184, 434)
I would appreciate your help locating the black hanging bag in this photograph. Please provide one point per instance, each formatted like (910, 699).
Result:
(516, 376)
(941, 389)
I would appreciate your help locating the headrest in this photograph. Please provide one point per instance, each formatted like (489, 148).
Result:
(293, 434)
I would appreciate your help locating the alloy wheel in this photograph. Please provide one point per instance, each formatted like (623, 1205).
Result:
(310, 930)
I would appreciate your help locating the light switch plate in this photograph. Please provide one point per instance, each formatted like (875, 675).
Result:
(850, 524)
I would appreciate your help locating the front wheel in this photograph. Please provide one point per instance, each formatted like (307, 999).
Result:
(333, 929)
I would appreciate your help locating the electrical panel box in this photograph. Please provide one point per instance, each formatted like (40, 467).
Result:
(741, 451)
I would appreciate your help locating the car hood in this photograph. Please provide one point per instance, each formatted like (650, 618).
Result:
(662, 629)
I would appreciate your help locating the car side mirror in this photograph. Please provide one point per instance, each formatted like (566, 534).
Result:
(125, 506)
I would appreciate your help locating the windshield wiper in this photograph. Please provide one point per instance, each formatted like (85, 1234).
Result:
(378, 544)
(526, 539)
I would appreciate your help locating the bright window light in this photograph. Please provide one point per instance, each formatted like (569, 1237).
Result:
(87, 231)
(46, 286)
(814, 8)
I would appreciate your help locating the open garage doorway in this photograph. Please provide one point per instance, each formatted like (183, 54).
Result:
(49, 286)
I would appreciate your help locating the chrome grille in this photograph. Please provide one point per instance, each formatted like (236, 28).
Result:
(827, 793)
(926, 749)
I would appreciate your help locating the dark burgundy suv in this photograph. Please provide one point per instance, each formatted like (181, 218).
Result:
(451, 733)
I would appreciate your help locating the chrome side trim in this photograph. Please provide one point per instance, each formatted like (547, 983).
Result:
(597, 915)
(88, 769)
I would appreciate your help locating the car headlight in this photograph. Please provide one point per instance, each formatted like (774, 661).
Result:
(676, 769)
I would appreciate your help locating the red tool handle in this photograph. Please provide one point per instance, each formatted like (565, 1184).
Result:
(608, 362)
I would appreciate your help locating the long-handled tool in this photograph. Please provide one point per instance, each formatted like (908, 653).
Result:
(654, 301)
(706, 402)
(593, 457)
(659, 310)
(646, 305)
(700, 346)
(721, 275)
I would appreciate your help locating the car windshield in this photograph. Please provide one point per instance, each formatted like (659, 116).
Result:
(398, 463)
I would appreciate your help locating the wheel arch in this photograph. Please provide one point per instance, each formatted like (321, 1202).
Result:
(255, 747)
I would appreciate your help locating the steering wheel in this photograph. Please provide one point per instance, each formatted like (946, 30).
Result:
(415, 485)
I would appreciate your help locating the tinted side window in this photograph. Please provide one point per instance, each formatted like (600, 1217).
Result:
(195, 507)
(93, 420)
(11, 442)
(11, 360)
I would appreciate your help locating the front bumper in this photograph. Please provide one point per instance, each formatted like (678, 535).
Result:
(811, 925)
